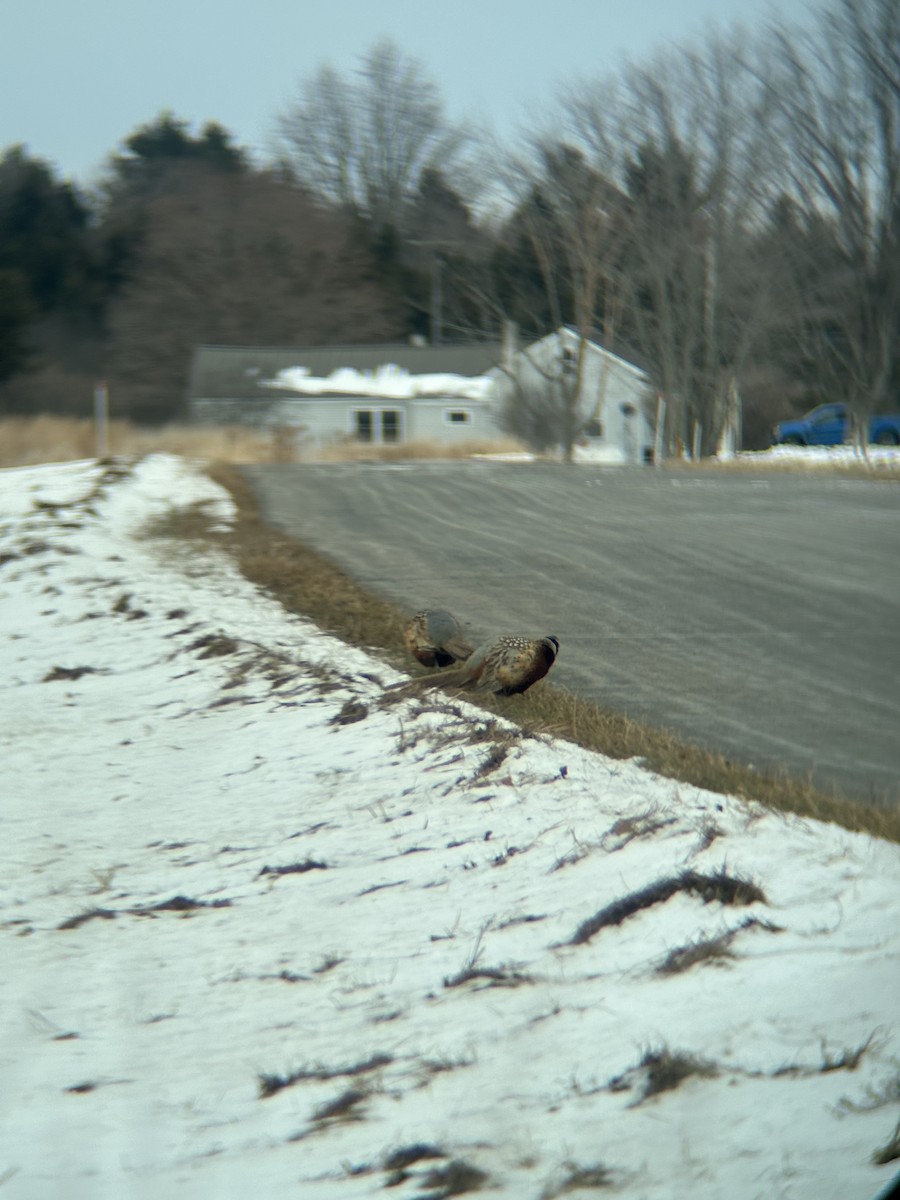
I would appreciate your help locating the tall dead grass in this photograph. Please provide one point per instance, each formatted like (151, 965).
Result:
(25, 441)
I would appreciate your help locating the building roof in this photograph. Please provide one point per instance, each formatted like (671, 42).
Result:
(239, 372)
(595, 341)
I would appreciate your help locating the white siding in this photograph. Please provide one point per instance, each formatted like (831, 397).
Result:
(613, 391)
(429, 420)
(320, 421)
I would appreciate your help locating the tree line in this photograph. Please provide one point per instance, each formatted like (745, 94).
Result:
(726, 215)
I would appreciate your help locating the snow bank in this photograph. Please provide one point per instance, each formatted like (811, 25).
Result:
(819, 455)
(263, 934)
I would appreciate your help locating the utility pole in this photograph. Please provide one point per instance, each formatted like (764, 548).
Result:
(436, 316)
(437, 298)
(101, 418)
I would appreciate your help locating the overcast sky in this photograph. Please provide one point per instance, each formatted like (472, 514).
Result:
(78, 76)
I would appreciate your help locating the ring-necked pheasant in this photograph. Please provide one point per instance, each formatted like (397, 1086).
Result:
(509, 665)
(434, 637)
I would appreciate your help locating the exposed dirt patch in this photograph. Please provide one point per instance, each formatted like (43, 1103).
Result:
(180, 904)
(68, 673)
(725, 888)
(495, 977)
(710, 951)
(298, 868)
(213, 645)
(270, 1085)
(662, 1070)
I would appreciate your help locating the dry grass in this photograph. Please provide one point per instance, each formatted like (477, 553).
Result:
(585, 722)
(307, 582)
(890, 1151)
(578, 1179)
(727, 889)
(344, 1107)
(178, 904)
(882, 464)
(405, 1156)
(454, 1179)
(28, 440)
(667, 1069)
(300, 578)
(270, 1084)
(710, 950)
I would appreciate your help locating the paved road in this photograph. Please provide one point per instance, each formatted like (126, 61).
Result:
(756, 615)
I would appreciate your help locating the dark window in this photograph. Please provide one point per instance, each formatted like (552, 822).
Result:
(458, 416)
(363, 421)
(390, 425)
(828, 412)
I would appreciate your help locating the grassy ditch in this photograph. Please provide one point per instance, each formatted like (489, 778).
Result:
(308, 583)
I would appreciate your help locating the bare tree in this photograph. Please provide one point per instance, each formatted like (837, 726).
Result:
(364, 144)
(838, 92)
(699, 178)
(567, 209)
(245, 259)
(641, 212)
(543, 402)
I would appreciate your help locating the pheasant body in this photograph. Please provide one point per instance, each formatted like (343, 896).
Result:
(511, 664)
(434, 637)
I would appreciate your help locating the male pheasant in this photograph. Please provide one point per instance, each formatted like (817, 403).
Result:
(434, 637)
(509, 665)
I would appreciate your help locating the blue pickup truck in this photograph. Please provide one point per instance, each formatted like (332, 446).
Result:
(827, 425)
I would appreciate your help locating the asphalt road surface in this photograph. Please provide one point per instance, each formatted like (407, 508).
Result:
(757, 615)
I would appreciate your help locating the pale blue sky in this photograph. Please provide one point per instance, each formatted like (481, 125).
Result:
(78, 76)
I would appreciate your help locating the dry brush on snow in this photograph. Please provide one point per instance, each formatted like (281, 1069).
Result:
(263, 932)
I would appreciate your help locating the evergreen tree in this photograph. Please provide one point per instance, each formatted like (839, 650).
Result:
(16, 314)
(159, 159)
(44, 235)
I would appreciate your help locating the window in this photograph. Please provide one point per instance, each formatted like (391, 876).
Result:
(826, 413)
(390, 425)
(457, 416)
(377, 426)
(363, 431)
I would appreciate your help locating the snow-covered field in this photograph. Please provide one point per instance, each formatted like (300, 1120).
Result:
(263, 935)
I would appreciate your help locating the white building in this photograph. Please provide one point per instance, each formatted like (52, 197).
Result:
(615, 402)
(407, 393)
(370, 394)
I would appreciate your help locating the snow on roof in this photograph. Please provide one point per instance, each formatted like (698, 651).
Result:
(387, 382)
